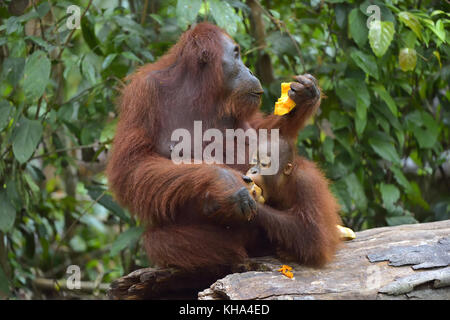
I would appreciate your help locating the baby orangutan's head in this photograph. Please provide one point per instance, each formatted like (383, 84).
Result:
(272, 185)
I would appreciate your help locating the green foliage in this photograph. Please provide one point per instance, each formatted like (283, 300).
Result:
(387, 106)
(380, 35)
(26, 137)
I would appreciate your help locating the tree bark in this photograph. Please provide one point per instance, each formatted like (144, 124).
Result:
(401, 262)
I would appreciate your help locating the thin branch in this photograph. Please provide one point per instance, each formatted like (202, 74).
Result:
(54, 31)
(254, 49)
(40, 22)
(69, 230)
(6, 151)
(79, 95)
(78, 220)
(57, 285)
(66, 149)
(36, 116)
(281, 25)
(144, 12)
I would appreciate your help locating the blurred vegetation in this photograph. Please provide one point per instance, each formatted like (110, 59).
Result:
(381, 136)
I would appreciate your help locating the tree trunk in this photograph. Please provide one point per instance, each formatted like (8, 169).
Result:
(264, 70)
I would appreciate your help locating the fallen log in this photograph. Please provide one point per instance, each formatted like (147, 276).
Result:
(401, 262)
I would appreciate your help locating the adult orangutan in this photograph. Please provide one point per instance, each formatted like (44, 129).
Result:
(202, 215)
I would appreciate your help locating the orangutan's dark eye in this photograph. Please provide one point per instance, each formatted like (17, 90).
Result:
(236, 52)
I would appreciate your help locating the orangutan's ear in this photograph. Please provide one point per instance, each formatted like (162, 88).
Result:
(204, 57)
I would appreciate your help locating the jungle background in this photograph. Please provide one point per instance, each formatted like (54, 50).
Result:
(381, 135)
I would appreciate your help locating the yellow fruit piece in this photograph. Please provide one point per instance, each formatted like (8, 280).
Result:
(346, 233)
(256, 192)
(284, 103)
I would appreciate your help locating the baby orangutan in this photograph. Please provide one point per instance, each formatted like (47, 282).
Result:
(287, 195)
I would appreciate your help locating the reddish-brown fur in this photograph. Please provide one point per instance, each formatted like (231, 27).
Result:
(301, 212)
(182, 86)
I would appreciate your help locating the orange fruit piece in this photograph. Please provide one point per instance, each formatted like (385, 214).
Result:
(286, 270)
(288, 274)
(284, 103)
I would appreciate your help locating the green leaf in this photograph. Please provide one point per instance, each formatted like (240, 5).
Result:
(27, 135)
(401, 179)
(78, 244)
(415, 196)
(361, 117)
(131, 56)
(366, 62)
(13, 194)
(439, 30)
(36, 75)
(437, 12)
(339, 189)
(7, 212)
(107, 201)
(438, 57)
(108, 131)
(386, 97)
(339, 120)
(157, 18)
(351, 89)
(424, 127)
(341, 15)
(357, 27)
(187, 11)
(381, 34)
(13, 69)
(275, 13)
(43, 9)
(390, 195)
(33, 186)
(412, 22)
(224, 15)
(385, 149)
(327, 147)
(426, 138)
(126, 239)
(13, 25)
(108, 60)
(5, 111)
(88, 69)
(407, 59)
(408, 38)
(89, 36)
(41, 42)
(356, 191)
